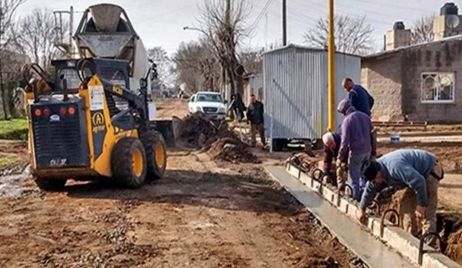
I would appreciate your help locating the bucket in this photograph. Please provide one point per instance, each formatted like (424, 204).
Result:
(394, 139)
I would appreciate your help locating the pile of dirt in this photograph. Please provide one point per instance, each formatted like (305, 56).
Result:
(194, 130)
(454, 249)
(304, 161)
(231, 150)
(199, 132)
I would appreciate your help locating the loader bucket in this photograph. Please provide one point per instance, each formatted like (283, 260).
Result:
(165, 127)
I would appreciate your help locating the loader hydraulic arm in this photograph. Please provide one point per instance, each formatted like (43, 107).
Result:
(138, 102)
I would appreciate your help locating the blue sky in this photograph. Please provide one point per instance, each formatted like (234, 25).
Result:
(160, 22)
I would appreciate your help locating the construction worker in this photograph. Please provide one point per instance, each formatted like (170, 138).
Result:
(255, 114)
(237, 106)
(358, 96)
(356, 144)
(415, 169)
(331, 145)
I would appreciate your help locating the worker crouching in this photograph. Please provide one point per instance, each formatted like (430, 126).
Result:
(331, 147)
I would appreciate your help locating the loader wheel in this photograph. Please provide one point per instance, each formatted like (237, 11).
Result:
(128, 162)
(49, 184)
(156, 154)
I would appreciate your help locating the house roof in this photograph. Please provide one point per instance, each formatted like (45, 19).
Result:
(304, 48)
(447, 39)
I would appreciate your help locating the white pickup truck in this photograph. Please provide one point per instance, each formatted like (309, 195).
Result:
(210, 103)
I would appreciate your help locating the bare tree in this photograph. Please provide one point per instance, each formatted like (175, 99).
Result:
(196, 66)
(252, 60)
(34, 36)
(7, 11)
(224, 24)
(422, 30)
(164, 67)
(352, 35)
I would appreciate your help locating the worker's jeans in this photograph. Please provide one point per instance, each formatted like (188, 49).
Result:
(355, 180)
(408, 204)
(260, 128)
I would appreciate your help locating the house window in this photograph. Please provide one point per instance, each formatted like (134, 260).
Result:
(438, 87)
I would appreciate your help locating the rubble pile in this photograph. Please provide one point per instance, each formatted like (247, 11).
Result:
(454, 249)
(199, 132)
(194, 130)
(232, 150)
(304, 161)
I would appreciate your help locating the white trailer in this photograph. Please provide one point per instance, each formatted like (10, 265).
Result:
(295, 89)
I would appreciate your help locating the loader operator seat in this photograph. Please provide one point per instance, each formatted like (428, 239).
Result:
(122, 27)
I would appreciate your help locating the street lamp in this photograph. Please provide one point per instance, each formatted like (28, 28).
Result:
(186, 28)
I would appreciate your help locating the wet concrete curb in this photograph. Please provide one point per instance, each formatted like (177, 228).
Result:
(394, 237)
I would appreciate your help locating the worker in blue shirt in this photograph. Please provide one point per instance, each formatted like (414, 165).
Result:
(406, 168)
(359, 97)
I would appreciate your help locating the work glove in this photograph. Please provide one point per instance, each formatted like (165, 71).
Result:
(340, 164)
(341, 175)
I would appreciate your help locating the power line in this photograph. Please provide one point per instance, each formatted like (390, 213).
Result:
(343, 12)
(260, 15)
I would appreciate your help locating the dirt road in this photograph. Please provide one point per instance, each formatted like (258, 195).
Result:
(166, 108)
(200, 215)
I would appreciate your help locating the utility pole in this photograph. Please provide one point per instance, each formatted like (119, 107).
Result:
(229, 47)
(284, 22)
(331, 69)
(223, 63)
(228, 12)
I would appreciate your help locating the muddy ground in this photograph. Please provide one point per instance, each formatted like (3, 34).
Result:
(204, 213)
(166, 108)
(200, 215)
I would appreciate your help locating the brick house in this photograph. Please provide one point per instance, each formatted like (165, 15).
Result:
(418, 82)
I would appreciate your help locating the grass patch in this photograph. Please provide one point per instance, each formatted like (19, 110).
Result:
(14, 129)
(9, 161)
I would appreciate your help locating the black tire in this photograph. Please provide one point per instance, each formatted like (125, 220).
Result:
(278, 144)
(125, 159)
(49, 185)
(154, 143)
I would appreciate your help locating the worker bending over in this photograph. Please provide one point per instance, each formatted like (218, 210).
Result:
(406, 168)
(331, 146)
(356, 144)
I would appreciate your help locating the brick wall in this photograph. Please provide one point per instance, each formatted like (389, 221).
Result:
(438, 57)
(394, 79)
(381, 76)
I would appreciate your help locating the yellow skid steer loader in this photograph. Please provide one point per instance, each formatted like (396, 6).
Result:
(95, 117)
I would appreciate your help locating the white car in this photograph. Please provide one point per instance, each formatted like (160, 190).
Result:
(210, 103)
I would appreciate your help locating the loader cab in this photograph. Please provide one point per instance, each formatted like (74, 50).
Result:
(66, 70)
(114, 71)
